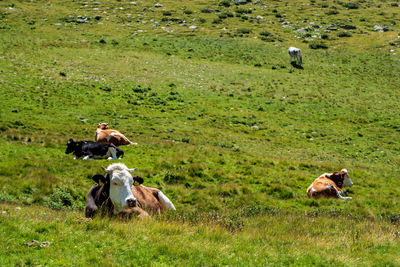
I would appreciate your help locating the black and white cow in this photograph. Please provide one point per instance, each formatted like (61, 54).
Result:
(93, 150)
(116, 194)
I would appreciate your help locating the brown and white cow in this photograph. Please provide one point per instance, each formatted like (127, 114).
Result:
(330, 185)
(106, 135)
(118, 195)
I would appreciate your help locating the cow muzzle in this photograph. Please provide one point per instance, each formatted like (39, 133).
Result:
(347, 183)
(131, 202)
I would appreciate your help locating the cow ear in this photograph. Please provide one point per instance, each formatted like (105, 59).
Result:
(138, 179)
(99, 178)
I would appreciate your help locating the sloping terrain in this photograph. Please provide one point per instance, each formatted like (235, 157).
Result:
(227, 128)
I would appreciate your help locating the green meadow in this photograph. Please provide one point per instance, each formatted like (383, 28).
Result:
(226, 127)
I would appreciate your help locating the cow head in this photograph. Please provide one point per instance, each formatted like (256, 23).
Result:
(119, 181)
(341, 178)
(71, 146)
(102, 126)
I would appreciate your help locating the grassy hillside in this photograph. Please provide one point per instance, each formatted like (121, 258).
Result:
(274, 239)
(227, 128)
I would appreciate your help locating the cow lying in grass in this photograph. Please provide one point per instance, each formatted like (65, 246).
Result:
(330, 185)
(118, 195)
(106, 135)
(93, 150)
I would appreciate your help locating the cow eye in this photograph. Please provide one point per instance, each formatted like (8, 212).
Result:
(115, 183)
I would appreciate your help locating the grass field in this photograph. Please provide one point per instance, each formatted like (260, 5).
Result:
(229, 130)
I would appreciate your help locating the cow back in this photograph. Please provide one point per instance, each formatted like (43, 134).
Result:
(323, 187)
(95, 148)
(118, 139)
(147, 199)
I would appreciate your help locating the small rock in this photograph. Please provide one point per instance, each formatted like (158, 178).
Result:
(97, 17)
(193, 27)
(378, 28)
(3, 212)
(17, 208)
(96, 3)
(240, 2)
(45, 244)
(133, 3)
(302, 31)
(348, 27)
(36, 243)
(32, 243)
(158, 5)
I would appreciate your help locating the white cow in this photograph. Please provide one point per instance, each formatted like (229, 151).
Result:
(119, 195)
(295, 53)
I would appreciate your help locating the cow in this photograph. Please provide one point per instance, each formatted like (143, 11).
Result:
(330, 185)
(93, 150)
(295, 53)
(106, 135)
(118, 195)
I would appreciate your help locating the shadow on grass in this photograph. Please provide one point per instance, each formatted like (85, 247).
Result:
(294, 65)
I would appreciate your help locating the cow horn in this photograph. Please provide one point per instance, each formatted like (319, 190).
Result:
(344, 170)
(132, 170)
(104, 169)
